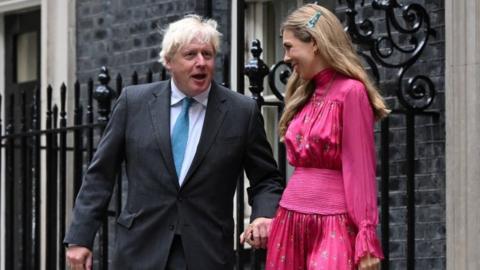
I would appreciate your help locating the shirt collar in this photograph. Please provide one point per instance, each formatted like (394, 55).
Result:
(178, 95)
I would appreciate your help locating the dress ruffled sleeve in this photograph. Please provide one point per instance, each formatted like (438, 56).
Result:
(358, 169)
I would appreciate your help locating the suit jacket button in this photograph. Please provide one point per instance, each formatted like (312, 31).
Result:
(171, 227)
(180, 198)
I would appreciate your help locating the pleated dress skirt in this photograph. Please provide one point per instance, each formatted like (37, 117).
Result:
(299, 241)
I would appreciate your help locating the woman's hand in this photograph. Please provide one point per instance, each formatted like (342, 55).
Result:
(256, 233)
(369, 262)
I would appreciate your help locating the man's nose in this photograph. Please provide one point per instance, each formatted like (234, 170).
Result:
(286, 58)
(200, 60)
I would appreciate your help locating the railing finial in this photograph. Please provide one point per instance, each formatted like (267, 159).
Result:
(104, 94)
(256, 70)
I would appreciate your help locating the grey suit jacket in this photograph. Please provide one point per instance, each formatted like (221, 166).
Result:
(201, 210)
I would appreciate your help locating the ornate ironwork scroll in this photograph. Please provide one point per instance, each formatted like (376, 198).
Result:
(408, 30)
(277, 78)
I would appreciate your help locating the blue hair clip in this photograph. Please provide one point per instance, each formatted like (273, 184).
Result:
(314, 19)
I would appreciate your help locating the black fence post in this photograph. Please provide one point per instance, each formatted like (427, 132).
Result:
(226, 71)
(36, 181)
(25, 187)
(9, 190)
(256, 70)
(63, 174)
(53, 181)
(104, 95)
(134, 78)
(163, 74)
(89, 116)
(51, 220)
(78, 142)
(119, 83)
(149, 76)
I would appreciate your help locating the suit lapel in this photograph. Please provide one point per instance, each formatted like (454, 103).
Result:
(214, 116)
(160, 115)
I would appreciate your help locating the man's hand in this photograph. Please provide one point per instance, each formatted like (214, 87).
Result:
(257, 232)
(369, 262)
(79, 258)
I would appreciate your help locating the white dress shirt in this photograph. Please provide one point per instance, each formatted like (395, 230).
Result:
(196, 119)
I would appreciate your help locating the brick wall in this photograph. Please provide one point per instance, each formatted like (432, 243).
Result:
(430, 239)
(124, 34)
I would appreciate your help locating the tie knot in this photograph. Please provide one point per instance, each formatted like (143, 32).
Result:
(187, 101)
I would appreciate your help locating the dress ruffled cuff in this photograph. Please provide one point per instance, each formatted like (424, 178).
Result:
(367, 242)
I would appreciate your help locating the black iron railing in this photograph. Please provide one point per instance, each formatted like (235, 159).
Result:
(67, 148)
(23, 148)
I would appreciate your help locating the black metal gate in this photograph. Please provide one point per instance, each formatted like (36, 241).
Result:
(64, 147)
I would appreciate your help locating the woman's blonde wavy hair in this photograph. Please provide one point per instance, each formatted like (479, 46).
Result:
(335, 47)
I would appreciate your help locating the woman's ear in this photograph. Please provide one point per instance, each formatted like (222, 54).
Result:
(316, 51)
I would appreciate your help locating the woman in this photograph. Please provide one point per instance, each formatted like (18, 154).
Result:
(328, 213)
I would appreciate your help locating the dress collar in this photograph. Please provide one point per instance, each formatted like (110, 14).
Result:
(323, 78)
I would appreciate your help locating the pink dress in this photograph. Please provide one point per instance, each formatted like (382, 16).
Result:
(328, 213)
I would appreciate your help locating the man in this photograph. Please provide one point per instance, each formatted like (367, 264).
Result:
(184, 143)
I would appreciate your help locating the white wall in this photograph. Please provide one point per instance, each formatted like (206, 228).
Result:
(58, 46)
(58, 66)
(58, 63)
(462, 97)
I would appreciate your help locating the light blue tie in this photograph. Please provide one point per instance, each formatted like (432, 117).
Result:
(180, 135)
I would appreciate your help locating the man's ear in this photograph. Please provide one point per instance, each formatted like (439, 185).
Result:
(167, 64)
